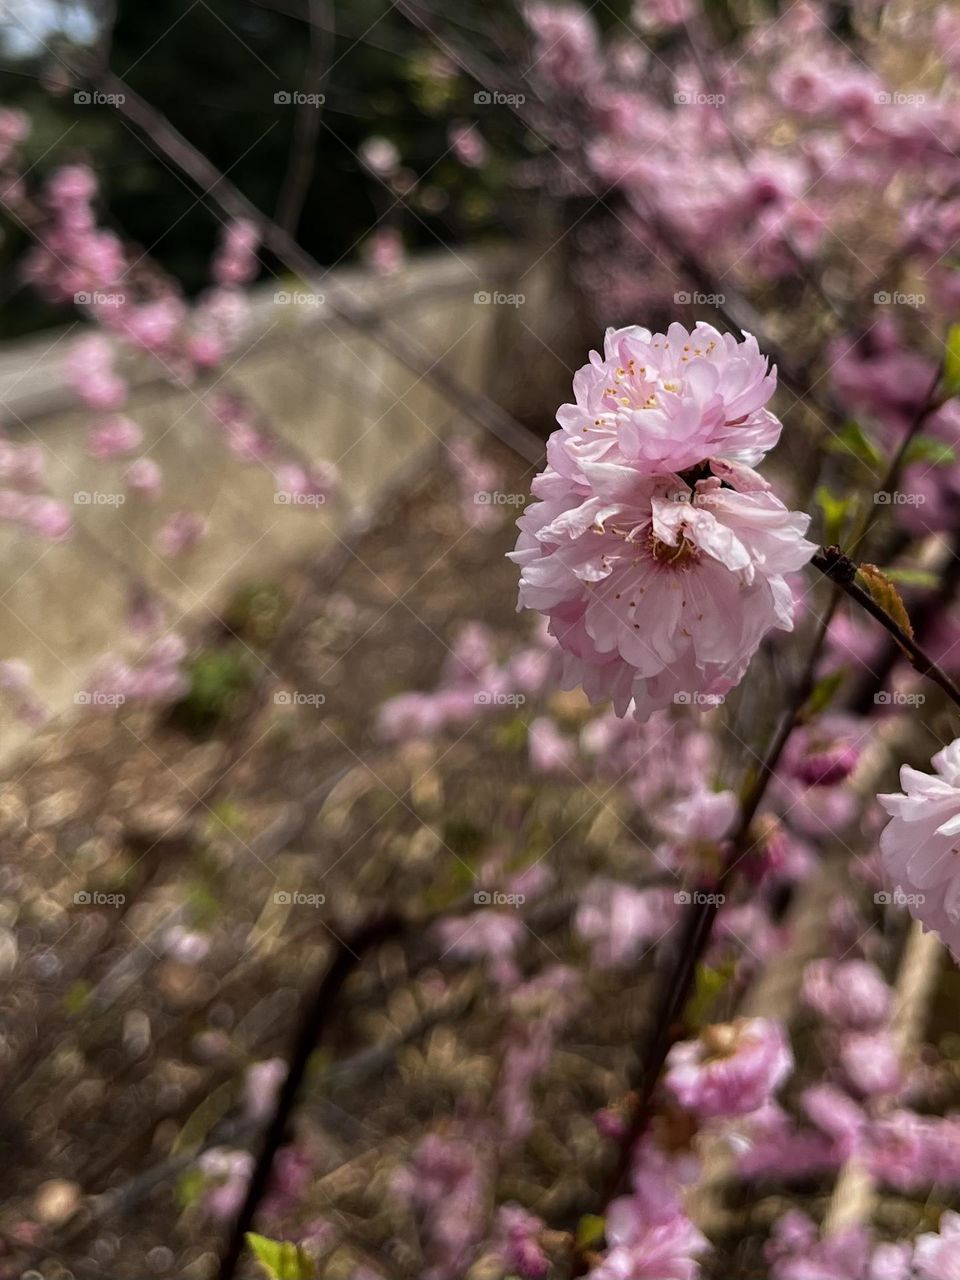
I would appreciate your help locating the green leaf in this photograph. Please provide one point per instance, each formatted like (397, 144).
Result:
(711, 984)
(913, 577)
(590, 1230)
(951, 361)
(189, 1188)
(281, 1259)
(835, 512)
(927, 449)
(823, 693)
(511, 736)
(853, 439)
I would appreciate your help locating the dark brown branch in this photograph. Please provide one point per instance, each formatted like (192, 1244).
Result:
(840, 569)
(316, 1013)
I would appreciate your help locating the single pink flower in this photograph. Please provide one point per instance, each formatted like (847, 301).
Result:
(731, 1069)
(664, 402)
(871, 1063)
(113, 437)
(920, 844)
(937, 1255)
(657, 591)
(663, 1251)
(850, 993)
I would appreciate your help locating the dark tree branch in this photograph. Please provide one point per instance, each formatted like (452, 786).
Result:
(315, 1017)
(840, 569)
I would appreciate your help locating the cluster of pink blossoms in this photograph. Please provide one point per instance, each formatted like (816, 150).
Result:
(655, 550)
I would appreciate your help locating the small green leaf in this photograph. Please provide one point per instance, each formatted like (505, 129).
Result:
(590, 1230)
(853, 439)
(711, 984)
(281, 1259)
(190, 1187)
(511, 736)
(835, 512)
(822, 694)
(928, 449)
(951, 361)
(913, 577)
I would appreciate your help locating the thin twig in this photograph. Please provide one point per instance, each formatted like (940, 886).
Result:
(840, 569)
(316, 1014)
(306, 121)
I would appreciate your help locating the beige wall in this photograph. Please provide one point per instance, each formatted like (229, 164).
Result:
(335, 394)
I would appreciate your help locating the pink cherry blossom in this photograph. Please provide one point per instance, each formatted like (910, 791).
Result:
(145, 477)
(550, 750)
(113, 437)
(516, 1240)
(620, 921)
(703, 815)
(919, 845)
(871, 1062)
(446, 1184)
(662, 1251)
(638, 577)
(261, 1087)
(384, 251)
(468, 144)
(842, 1256)
(937, 1255)
(379, 155)
(566, 54)
(731, 1069)
(183, 531)
(236, 259)
(661, 403)
(89, 373)
(849, 993)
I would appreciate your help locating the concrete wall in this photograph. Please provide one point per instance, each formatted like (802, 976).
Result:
(336, 394)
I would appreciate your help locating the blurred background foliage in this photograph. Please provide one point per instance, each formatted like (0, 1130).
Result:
(213, 68)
